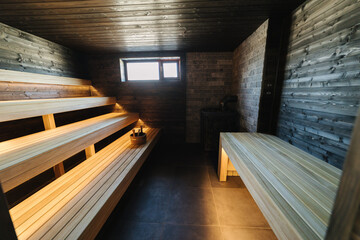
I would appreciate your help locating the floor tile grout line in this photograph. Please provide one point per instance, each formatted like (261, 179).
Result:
(197, 225)
(216, 210)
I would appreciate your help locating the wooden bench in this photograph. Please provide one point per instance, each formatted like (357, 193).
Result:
(77, 203)
(294, 190)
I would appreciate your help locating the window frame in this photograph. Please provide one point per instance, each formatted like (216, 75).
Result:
(159, 60)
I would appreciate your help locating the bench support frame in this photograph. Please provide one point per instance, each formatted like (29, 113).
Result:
(49, 123)
(222, 164)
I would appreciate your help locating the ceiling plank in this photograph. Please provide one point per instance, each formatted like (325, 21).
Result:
(140, 25)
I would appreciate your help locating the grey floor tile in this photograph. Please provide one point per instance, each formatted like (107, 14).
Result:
(192, 177)
(236, 207)
(178, 232)
(192, 206)
(146, 204)
(232, 182)
(173, 198)
(159, 176)
(133, 231)
(233, 233)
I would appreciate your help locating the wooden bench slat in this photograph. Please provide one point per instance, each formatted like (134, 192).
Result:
(292, 178)
(25, 157)
(106, 187)
(313, 213)
(32, 207)
(69, 204)
(327, 171)
(298, 188)
(19, 109)
(316, 187)
(276, 210)
(45, 217)
(26, 77)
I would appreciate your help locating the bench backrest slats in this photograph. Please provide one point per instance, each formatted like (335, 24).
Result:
(26, 77)
(12, 110)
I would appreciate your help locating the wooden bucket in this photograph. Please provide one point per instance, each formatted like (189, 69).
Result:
(139, 139)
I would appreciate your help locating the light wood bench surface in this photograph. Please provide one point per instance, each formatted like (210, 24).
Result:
(294, 190)
(77, 203)
(19, 109)
(69, 207)
(23, 158)
(27, 77)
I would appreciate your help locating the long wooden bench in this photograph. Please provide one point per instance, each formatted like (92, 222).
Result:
(23, 157)
(77, 203)
(294, 190)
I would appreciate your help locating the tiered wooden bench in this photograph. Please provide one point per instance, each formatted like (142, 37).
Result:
(294, 190)
(78, 202)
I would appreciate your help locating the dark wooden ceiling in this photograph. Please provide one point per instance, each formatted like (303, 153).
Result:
(142, 25)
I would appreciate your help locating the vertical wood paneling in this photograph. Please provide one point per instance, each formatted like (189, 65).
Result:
(275, 53)
(321, 91)
(343, 224)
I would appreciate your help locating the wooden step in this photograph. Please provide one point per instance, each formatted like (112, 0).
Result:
(77, 204)
(25, 157)
(26, 77)
(19, 109)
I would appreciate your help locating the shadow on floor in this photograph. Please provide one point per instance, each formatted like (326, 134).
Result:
(176, 195)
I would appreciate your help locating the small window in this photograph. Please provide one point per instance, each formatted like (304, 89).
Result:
(142, 71)
(150, 69)
(171, 69)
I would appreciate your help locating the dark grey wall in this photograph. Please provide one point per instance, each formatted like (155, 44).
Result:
(208, 80)
(321, 91)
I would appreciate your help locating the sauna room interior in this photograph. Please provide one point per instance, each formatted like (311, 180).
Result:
(180, 119)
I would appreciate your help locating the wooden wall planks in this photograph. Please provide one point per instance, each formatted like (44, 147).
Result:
(161, 104)
(21, 51)
(321, 91)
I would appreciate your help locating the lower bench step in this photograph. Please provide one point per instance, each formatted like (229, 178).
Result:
(77, 204)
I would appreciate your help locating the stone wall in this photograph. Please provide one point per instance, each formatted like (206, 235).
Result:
(209, 78)
(248, 60)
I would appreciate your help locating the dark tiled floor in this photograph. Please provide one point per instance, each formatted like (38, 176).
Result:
(177, 195)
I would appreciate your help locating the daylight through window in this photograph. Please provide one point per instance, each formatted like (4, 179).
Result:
(150, 69)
